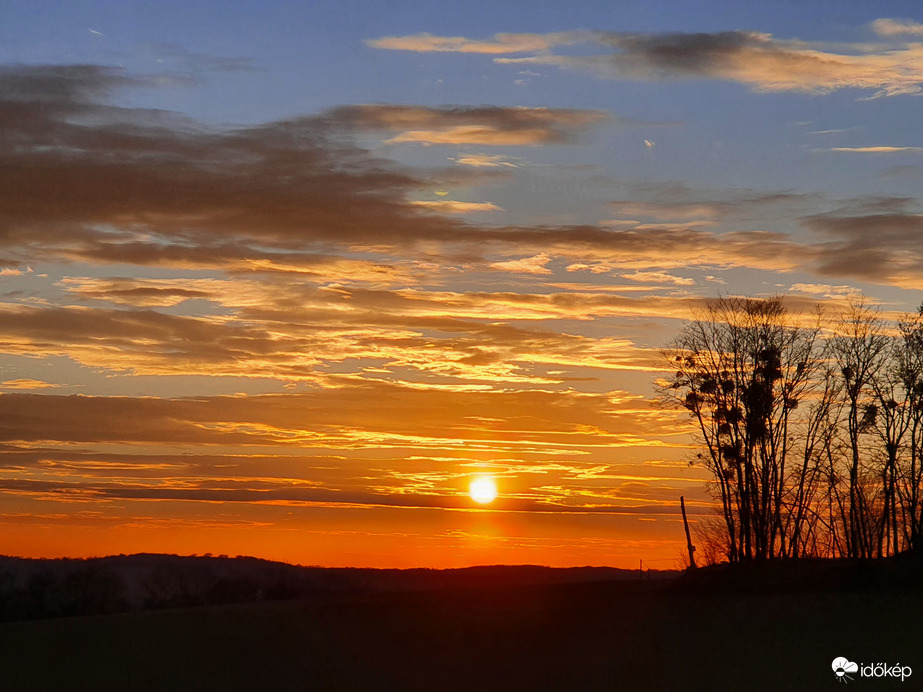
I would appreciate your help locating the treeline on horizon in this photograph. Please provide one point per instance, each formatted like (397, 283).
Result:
(811, 427)
(48, 588)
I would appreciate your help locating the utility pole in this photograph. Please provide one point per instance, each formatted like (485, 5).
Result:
(682, 504)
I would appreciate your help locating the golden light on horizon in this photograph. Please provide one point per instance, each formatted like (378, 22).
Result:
(483, 490)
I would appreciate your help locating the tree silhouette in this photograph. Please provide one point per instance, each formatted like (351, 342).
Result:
(812, 429)
(742, 368)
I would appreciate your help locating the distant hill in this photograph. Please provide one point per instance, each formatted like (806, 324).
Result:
(38, 588)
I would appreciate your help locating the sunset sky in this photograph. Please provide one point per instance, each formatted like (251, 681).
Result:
(282, 278)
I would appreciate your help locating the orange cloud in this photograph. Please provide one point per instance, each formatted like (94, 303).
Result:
(474, 134)
(484, 161)
(448, 206)
(527, 265)
(879, 150)
(658, 277)
(499, 44)
(27, 383)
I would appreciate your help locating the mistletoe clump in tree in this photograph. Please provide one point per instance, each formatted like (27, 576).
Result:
(742, 368)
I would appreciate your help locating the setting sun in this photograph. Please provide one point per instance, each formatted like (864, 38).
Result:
(483, 490)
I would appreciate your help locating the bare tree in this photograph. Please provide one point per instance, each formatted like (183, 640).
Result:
(908, 369)
(893, 419)
(807, 522)
(741, 368)
(857, 352)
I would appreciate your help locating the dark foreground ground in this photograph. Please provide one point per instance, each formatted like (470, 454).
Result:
(707, 634)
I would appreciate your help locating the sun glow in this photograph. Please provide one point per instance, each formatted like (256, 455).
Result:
(483, 490)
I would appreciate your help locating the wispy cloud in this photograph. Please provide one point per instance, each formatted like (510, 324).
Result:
(879, 150)
(477, 135)
(658, 278)
(483, 125)
(897, 27)
(484, 161)
(526, 265)
(498, 44)
(28, 383)
(294, 332)
(449, 206)
(757, 59)
(825, 290)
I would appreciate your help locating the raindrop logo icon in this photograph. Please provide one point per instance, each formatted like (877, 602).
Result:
(842, 666)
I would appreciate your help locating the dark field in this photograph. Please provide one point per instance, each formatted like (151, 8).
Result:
(612, 635)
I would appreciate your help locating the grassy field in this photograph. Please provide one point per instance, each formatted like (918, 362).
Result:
(592, 636)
